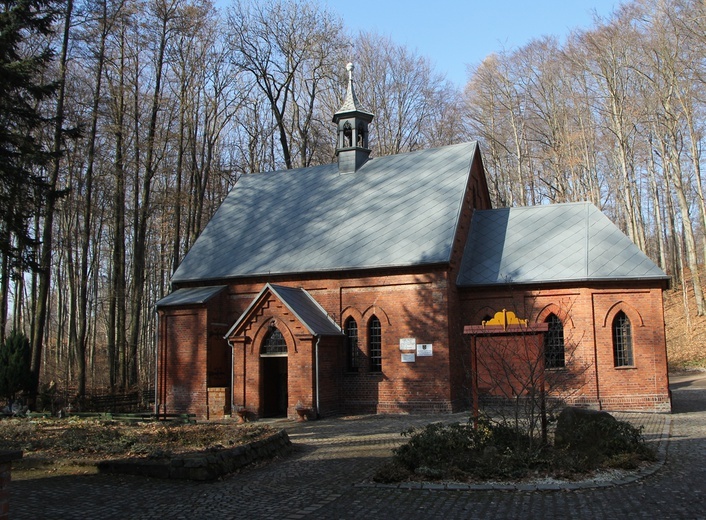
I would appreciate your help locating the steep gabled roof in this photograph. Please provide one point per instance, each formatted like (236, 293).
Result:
(301, 304)
(400, 210)
(553, 243)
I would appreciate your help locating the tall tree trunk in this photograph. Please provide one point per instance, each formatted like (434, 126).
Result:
(117, 309)
(4, 289)
(140, 247)
(689, 240)
(659, 226)
(44, 272)
(176, 248)
(87, 212)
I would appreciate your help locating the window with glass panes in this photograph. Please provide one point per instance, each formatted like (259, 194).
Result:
(622, 341)
(375, 344)
(274, 344)
(554, 343)
(352, 350)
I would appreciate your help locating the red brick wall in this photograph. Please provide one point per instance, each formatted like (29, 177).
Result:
(331, 366)
(420, 306)
(182, 362)
(587, 315)
(476, 197)
(248, 382)
(407, 305)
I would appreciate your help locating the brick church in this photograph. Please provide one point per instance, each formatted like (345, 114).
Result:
(384, 285)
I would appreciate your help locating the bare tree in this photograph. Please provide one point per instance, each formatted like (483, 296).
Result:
(44, 273)
(286, 48)
(411, 102)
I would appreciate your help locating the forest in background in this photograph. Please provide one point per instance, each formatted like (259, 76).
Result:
(136, 117)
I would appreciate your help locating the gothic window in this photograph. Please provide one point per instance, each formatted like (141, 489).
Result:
(375, 344)
(352, 350)
(554, 343)
(622, 341)
(274, 344)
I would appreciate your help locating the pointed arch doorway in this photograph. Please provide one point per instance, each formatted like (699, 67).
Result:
(274, 390)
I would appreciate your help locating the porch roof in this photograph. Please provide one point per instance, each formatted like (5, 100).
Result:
(190, 296)
(301, 304)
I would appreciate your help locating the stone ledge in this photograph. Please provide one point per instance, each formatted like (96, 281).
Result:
(203, 465)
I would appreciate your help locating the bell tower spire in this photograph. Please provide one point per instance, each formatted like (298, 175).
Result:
(352, 122)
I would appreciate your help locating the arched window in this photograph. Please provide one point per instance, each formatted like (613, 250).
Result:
(347, 135)
(361, 137)
(352, 350)
(554, 343)
(375, 344)
(622, 341)
(274, 344)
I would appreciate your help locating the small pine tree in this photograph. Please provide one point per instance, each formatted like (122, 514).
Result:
(15, 360)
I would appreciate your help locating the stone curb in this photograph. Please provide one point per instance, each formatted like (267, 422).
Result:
(646, 471)
(203, 465)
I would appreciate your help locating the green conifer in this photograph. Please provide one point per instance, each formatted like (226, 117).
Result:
(25, 55)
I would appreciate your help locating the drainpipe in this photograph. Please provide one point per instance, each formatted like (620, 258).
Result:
(232, 375)
(156, 366)
(316, 350)
(595, 355)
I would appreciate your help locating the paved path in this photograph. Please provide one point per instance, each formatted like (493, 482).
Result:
(323, 478)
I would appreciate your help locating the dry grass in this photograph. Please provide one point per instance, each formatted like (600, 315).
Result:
(74, 446)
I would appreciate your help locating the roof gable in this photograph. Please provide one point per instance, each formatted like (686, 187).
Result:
(553, 243)
(399, 210)
(300, 303)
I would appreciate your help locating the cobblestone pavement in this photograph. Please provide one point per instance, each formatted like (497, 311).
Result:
(324, 477)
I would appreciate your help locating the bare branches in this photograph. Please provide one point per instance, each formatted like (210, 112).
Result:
(615, 116)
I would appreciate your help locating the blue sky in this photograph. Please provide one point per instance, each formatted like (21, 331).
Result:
(457, 33)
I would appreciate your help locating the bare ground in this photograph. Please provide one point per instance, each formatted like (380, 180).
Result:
(74, 446)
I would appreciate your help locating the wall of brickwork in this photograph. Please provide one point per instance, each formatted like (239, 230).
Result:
(407, 305)
(182, 362)
(421, 306)
(587, 315)
(476, 197)
(331, 366)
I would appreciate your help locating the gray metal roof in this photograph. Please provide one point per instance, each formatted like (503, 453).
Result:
(399, 210)
(190, 296)
(302, 305)
(554, 243)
